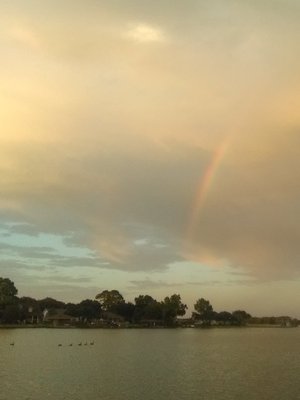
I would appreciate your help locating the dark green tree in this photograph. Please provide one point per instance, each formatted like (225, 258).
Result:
(143, 301)
(8, 292)
(109, 299)
(173, 307)
(241, 317)
(125, 310)
(29, 308)
(49, 303)
(8, 298)
(224, 317)
(11, 314)
(204, 311)
(72, 309)
(147, 308)
(89, 309)
(86, 310)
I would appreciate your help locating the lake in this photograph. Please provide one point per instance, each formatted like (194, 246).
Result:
(183, 364)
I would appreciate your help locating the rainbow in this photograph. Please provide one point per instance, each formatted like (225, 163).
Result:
(204, 187)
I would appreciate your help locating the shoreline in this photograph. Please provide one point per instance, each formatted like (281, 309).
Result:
(142, 327)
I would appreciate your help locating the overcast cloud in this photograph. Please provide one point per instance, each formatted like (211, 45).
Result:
(111, 116)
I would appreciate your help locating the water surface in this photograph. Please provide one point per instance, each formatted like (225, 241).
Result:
(183, 364)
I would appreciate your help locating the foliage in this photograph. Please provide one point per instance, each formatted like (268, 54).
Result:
(49, 303)
(72, 310)
(110, 299)
(29, 308)
(11, 314)
(147, 308)
(224, 317)
(204, 311)
(29, 301)
(241, 316)
(8, 292)
(85, 310)
(173, 307)
(125, 310)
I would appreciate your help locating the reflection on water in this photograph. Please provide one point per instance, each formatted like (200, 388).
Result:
(164, 364)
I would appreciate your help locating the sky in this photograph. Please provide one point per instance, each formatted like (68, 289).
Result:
(152, 147)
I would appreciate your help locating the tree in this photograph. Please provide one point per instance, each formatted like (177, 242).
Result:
(11, 314)
(143, 301)
(8, 292)
(29, 308)
(173, 307)
(110, 299)
(204, 311)
(224, 317)
(49, 303)
(86, 310)
(241, 316)
(89, 309)
(147, 308)
(126, 310)
(72, 309)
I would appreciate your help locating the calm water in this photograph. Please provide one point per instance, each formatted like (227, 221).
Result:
(185, 364)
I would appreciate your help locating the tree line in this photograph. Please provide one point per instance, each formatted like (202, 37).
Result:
(144, 309)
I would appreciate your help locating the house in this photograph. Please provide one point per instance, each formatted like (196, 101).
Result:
(34, 315)
(30, 313)
(185, 322)
(151, 323)
(58, 317)
(111, 319)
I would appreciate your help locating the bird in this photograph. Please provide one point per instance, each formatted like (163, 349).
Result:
(80, 344)
(59, 345)
(71, 344)
(92, 343)
(12, 343)
(85, 343)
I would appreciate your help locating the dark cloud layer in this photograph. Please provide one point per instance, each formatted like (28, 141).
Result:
(112, 120)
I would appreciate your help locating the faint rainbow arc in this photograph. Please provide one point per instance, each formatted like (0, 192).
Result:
(203, 188)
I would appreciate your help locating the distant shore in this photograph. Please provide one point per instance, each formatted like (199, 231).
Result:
(16, 326)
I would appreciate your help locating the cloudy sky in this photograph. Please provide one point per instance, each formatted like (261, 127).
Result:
(152, 147)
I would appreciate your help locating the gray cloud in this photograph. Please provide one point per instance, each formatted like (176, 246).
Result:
(147, 200)
(59, 291)
(27, 252)
(252, 217)
(149, 284)
(116, 136)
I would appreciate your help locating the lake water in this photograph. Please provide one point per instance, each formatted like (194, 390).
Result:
(183, 364)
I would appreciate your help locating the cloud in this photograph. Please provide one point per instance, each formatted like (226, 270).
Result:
(24, 36)
(144, 33)
(107, 136)
(124, 214)
(149, 284)
(59, 291)
(251, 218)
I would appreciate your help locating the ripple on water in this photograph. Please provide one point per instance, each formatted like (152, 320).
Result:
(150, 364)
